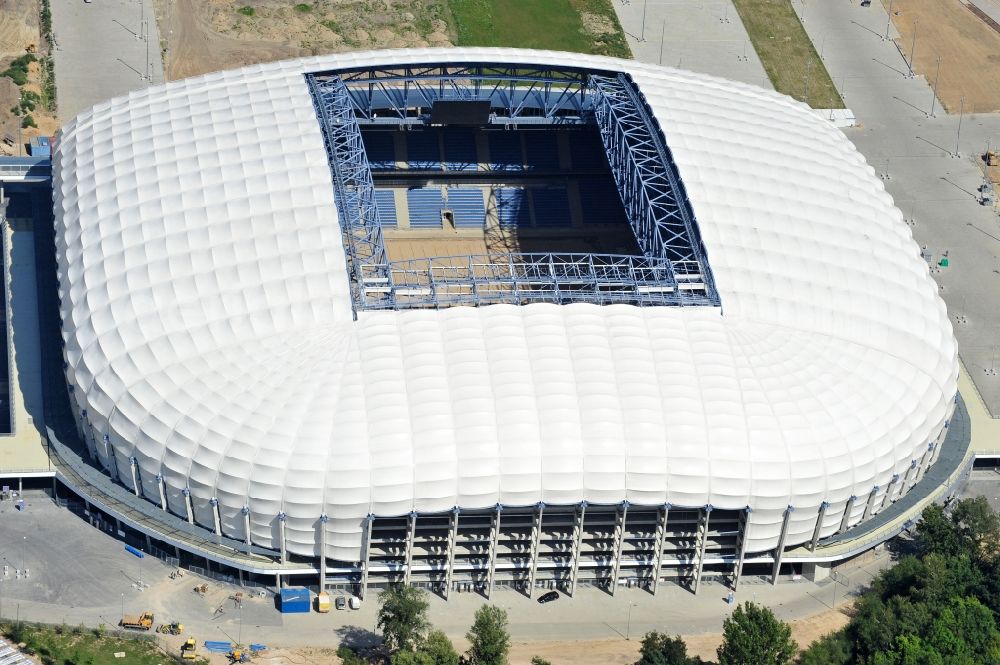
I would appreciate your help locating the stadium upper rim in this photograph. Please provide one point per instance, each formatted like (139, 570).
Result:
(212, 346)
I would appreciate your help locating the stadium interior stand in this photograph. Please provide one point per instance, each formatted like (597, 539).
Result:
(536, 189)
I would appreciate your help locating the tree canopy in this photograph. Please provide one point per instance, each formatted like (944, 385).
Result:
(402, 618)
(754, 636)
(490, 641)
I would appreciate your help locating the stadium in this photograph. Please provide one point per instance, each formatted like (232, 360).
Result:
(475, 317)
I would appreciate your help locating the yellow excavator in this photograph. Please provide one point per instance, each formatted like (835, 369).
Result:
(172, 628)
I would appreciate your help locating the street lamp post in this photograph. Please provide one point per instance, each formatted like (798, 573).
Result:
(663, 33)
(642, 38)
(628, 623)
(913, 46)
(961, 114)
(888, 22)
(24, 541)
(937, 73)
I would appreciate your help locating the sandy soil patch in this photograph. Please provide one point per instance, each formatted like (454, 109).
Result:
(969, 48)
(208, 35)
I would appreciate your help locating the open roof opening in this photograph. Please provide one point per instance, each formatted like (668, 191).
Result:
(480, 184)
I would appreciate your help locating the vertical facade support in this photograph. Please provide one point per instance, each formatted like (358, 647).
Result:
(411, 532)
(216, 518)
(109, 454)
(819, 526)
(701, 543)
(848, 509)
(188, 507)
(246, 527)
(910, 477)
(494, 538)
(661, 534)
(870, 505)
(163, 494)
(889, 491)
(282, 546)
(134, 466)
(779, 553)
(622, 515)
(743, 539)
(321, 527)
(366, 548)
(581, 513)
(925, 461)
(536, 536)
(452, 543)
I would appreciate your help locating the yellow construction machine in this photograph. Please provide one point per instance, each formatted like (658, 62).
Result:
(188, 649)
(172, 628)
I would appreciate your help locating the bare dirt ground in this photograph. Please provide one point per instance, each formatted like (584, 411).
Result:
(575, 652)
(208, 35)
(18, 33)
(969, 48)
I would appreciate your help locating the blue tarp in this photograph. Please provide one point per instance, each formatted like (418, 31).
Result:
(218, 647)
(132, 550)
(295, 600)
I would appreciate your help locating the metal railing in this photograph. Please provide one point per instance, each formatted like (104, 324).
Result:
(525, 278)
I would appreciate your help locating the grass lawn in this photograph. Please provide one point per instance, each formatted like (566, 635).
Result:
(582, 26)
(789, 57)
(65, 645)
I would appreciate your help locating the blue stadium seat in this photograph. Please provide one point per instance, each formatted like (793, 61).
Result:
(425, 206)
(543, 151)
(381, 150)
(601, 203)
(423, 152)
(460, 150)
(467, 207)
(505, 151)
(512, 206)
(551, 206)
(385, 199)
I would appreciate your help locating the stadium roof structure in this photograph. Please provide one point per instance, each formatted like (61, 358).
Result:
(218, 356)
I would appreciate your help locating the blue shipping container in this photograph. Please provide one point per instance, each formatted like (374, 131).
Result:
(295, 600)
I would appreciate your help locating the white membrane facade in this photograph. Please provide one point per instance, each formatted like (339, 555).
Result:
(209, 331)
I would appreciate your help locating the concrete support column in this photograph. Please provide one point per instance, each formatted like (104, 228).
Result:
(870, 505)
(889, 492)
(779, 553)
(935, 453)
(282, 544)
(910, 476)
(239, 573)
(581, 513)
(277, 582)
(661, 533)
(109, 454)
(149, 544)
(536, 536)
(366, 544)
(846, 518)
(216, 518)
(743, 539)
(925, 461)
(188, 508)
(452, 542)
(246, 527)
(162, 492)
(134, 466)
(494, 538)
(411, 531)
(321, 527)
(819, 526)
(702, 542)
(622, 515)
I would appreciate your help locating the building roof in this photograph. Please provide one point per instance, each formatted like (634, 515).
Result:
(209, 329)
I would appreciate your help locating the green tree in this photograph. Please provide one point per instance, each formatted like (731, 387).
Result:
(490, 641)
(440, 650)
(661, 649)
(538, 660)
(979, 528)
(402, 617)
(411, 658)
(832, 649)
(936, 534)
(754, 636)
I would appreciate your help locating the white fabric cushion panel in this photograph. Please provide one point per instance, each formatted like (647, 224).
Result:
(209, 331)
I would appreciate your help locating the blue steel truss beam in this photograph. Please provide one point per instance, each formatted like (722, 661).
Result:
(354, 191)
(652, 193)
(514, 92)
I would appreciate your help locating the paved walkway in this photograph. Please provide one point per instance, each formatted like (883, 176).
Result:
(700, 35)
(101, 51)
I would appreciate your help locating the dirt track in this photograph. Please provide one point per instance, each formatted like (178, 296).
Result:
(969, 48)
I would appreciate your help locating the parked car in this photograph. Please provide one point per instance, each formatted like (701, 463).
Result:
(548, 597)
(341, 603)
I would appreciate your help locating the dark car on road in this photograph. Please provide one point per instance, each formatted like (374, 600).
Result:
(548, 597)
